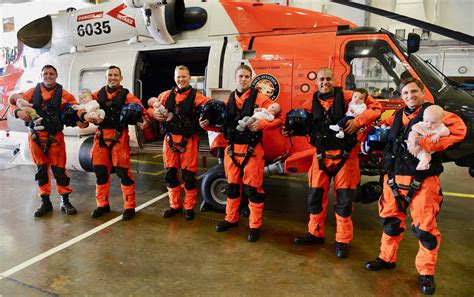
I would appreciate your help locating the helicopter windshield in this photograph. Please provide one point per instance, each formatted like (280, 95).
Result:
(375, 67)
(432, 78)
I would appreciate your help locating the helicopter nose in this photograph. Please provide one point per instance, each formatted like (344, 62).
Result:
(38, 33)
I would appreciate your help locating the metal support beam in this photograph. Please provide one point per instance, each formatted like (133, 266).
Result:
(417, 23)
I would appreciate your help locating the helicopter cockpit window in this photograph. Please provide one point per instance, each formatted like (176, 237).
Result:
(375, 67)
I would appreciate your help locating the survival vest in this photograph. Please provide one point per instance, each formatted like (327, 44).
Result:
(234, 115)
(235, 136)
(49, 110)
(184, 115)
(324, 138)
(112, 110)
(397, 160)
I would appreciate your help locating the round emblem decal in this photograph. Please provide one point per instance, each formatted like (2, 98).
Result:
(267, 84)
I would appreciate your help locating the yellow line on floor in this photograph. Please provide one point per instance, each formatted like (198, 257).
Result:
(154, 163)
(289, 178)
(150, 173)
(146, 162)
(294, 178)
(460, 195)
(304, 179)
(157, 156)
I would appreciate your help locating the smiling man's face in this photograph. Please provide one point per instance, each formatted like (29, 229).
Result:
(412, 95)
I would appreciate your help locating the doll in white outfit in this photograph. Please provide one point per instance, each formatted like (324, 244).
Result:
(157, 106)
(432, 125)
(260, 114)
(356, 107)
(90, 105)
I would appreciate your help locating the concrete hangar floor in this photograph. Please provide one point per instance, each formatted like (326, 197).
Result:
(153, 256)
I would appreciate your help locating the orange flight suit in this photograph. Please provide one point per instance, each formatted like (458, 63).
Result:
(345, 181)
(425, 205)
(119, 157)
(186, 159)
(55, 158)
(252, 180)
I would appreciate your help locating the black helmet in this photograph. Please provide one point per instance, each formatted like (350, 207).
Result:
(215, 112)
(197, 114)
(69, 116)
(131, 114)
(368, 192)
(298, 122)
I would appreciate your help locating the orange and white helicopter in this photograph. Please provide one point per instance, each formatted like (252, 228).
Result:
(285, 46)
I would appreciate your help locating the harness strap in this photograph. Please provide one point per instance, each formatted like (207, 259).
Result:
(404, 201)
(39, 142)
(250, 150)
(344, 156)
(177, 146)
(414, 187)
(398, 198)
(113, 141)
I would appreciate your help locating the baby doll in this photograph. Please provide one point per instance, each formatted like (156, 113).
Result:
(91, 106)
(432, 125)
(153, 101)
(28, 108)
(356, 107)
(259, 114)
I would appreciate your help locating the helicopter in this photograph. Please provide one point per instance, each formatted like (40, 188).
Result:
(285, 47)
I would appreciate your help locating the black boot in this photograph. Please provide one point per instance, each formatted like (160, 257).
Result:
(308, 238)
(254, 234)
(379, 264)
(128, 214)
(99, 211)
(225, 225)
(189, 214)
(170, 212)
(427, 284)
(342, 250)
(45, 206)
(66, 206)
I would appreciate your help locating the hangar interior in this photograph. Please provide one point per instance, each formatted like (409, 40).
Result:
(62, 255)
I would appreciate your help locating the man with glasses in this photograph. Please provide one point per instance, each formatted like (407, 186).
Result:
(335, 158)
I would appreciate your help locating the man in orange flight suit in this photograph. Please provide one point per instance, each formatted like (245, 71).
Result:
(335, 158)
(111, 144)
(47, 146)
(243, 160)
(405, 187)
(181, 143)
